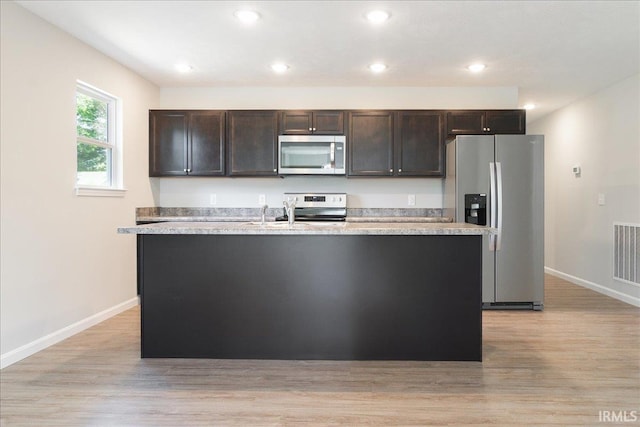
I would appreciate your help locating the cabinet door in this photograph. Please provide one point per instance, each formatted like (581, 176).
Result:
(420, 143)
(328, 122)
(296, 122)
(206, 143)
(323, 122)
(370, 143)
(465, 122)
(167, 143)
(253, 142)
(506, 122)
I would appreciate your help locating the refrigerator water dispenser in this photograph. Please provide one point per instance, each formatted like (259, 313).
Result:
(475, 209)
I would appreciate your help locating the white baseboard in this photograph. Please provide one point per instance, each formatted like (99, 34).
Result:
(629, 299)
(33, 347)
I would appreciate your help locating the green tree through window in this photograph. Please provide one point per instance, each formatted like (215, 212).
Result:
(95, 136)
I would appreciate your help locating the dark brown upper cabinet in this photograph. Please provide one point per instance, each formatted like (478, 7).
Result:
(419, 143)
(490, 122)
(379, 143)
(370, 143)
(396, 143)
(186, 143)
(506, 122)
(305, 122)
(253, 141)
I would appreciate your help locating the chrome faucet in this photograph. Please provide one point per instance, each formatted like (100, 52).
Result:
(290, 207)
(263, 213)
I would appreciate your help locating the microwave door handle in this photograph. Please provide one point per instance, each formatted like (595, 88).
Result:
(332, 154)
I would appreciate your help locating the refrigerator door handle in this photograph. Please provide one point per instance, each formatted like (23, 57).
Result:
(499, 204)
(493, 207)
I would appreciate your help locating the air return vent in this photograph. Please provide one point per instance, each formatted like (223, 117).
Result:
(626, 252)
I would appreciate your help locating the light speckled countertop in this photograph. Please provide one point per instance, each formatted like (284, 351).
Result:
(308, 228)
(159, 214)
(189, 218)
(416, 219)
(390, 219)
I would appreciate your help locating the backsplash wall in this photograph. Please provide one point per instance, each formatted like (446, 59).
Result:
(244, 192)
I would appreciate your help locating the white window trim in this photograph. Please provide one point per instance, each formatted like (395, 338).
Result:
(114, 129)
(100, 191)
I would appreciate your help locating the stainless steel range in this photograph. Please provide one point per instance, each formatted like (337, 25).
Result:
(317, 206)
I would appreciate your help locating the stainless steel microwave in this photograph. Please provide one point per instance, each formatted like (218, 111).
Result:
(312, 154)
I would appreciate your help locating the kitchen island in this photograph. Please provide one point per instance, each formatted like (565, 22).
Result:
(341, 291)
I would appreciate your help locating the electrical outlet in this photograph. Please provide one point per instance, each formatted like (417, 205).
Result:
(262, 199)
(411, 201)
(213, 199)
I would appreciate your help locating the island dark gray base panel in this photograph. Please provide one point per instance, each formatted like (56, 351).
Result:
(362, 297)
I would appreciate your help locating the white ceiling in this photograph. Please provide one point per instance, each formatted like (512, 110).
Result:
(554, 52)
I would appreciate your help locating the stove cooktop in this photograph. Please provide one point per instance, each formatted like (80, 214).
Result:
(318, 206)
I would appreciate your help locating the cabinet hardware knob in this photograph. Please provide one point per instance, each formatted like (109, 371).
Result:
(314, 129)
(488, 129)
(390, 170)
(399, 170)
(310, 129)
(184, 170)
(188, 170)
(275, 170)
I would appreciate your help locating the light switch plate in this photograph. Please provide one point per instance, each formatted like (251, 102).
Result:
(262, 199)
(213, 199)
(411, 200)
(601, 199)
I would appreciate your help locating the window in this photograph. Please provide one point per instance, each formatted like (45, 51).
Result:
(97, 138)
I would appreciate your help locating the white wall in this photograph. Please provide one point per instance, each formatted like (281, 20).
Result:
(600, 133)
(62, 264)
(244, 192)
(370, 193)
(273, 98)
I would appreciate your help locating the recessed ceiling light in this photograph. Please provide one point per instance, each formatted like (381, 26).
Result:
(529, 106)
(476, 68)
(279, 67)
(183, 68)
(377, 16)
(378, 67)
(247, 16)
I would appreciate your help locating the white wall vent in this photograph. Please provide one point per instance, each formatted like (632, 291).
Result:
(626, 252)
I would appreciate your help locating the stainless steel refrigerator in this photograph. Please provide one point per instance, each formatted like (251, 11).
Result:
(500, 180)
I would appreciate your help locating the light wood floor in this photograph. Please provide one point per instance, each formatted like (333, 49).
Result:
(557, 367)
